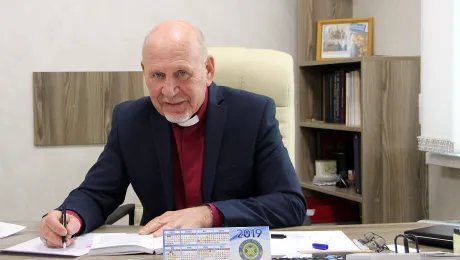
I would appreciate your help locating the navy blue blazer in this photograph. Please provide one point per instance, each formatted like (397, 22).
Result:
(247, 173)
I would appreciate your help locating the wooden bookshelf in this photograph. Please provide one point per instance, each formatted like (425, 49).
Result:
(330, 126)
(329, 62)
(348, 193)
(393, 173)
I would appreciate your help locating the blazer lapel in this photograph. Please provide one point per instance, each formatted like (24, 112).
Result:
(162, 140)
(215, 121)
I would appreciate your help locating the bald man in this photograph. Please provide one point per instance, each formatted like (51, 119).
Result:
(198, 155)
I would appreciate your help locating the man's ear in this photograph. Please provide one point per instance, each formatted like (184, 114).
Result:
(210, 70)
(142, 65)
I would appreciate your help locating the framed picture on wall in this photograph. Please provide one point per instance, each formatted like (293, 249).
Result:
(344, 38)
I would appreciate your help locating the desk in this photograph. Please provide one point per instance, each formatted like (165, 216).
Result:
(387, 231)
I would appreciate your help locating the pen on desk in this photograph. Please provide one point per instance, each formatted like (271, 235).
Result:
(278, 236)
(320, 246)
(64, 223)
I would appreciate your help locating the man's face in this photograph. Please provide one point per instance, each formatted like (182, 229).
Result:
(177, 76)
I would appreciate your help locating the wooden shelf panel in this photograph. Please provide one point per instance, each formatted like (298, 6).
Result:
(329, 62)
(345, 61)
(330, 126)
(345, 193)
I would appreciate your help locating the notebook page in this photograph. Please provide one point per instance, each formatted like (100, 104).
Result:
(105, 241)
(81, 247)
(116, 240)
(158, 242)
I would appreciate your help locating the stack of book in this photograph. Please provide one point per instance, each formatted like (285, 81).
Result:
(340, 97)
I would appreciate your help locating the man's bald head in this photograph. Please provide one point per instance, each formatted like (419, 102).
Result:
(176, 32)
(177, 69)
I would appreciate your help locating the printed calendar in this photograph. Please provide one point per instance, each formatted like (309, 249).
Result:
(217, 243)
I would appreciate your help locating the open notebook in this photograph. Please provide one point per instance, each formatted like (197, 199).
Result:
(127, 244)
(95, 244)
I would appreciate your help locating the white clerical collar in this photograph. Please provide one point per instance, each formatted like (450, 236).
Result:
(190, 122)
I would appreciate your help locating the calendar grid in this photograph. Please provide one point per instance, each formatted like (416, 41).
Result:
(188, 244)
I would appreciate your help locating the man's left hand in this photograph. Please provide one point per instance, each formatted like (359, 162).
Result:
(196, 217)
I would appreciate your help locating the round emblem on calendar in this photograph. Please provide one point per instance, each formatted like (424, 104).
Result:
(251, 249)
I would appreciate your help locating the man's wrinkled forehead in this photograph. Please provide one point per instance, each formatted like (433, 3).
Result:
(174, 56)
(172, 66)
(167, 48)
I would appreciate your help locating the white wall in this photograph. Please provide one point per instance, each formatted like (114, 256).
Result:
(97, 35)
(444, 192)
(396, 25)
(398, 32)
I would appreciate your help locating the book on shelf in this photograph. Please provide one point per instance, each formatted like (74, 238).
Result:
(357, 161)
(340, 100)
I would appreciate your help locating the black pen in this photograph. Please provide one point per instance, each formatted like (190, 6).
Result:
(278, 236)
(64, 223)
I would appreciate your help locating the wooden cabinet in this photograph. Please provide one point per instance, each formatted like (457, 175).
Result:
(393, 173)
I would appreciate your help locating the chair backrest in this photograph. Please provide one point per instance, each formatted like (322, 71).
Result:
(262, 71)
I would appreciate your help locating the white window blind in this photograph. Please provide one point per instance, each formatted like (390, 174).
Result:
(440, 78)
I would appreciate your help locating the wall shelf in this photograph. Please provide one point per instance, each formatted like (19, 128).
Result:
(345, 193)
(330, 126)
(329, 62)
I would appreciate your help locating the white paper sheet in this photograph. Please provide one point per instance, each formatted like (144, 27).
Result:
(297, 241)
(7, 229)
(81, 246)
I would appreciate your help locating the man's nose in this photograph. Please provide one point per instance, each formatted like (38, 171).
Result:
(170, 87)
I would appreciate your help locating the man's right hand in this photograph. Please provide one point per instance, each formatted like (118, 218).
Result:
(52, 230)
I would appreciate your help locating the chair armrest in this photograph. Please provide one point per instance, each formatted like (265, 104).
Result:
(120, 212)
(307, 221)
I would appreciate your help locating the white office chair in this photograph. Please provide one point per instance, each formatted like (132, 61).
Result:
(266, 72)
